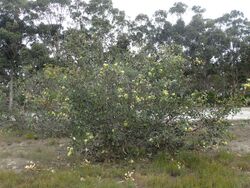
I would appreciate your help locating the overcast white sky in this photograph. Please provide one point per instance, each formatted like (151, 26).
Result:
(215, 8)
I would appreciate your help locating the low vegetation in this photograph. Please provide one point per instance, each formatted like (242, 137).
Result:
(47, 166)
(186, 169)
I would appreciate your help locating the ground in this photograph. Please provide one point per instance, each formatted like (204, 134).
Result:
(18, 152)
(27, 161)
(243, 114)
(241, 134)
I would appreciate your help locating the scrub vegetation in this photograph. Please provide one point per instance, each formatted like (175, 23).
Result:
(91, 98)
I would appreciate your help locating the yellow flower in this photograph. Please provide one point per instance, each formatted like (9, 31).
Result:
(120, 90)
(151, 97)
(224, 142)
(138, 99)
(131, 161)
(105, 65)
(125, 124)
(126, 96)
(165, 93)
(70, 151)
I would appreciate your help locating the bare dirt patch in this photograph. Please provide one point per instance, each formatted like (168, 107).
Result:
(241, 134)
(18, 153)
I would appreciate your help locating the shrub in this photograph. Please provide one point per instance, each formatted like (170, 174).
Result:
(141, 106)
(44, 101)
(6, 118)
(3, 104)
(246, 91)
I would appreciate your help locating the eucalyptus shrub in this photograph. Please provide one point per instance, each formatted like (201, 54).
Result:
(45, 101)
(246, 92)
(141, 106)
(3, 106)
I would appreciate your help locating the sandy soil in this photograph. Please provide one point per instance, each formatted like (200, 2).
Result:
(19, 154)
(243, 114)
(241, 133)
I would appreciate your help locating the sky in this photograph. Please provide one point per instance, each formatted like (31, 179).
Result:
(214, 8)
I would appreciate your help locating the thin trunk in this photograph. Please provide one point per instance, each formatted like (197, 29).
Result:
(11, 91)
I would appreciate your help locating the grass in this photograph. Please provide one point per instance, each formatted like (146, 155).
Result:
(217, 169)
(185, 170)
(198, 170)
(84, 177)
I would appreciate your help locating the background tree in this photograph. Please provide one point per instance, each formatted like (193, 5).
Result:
(16, 30)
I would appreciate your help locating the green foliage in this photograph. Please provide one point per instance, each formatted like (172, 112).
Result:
(247, 85)
(246, 90)
(139, 108)
(178, 8)
(45, 101)
(2, 102)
